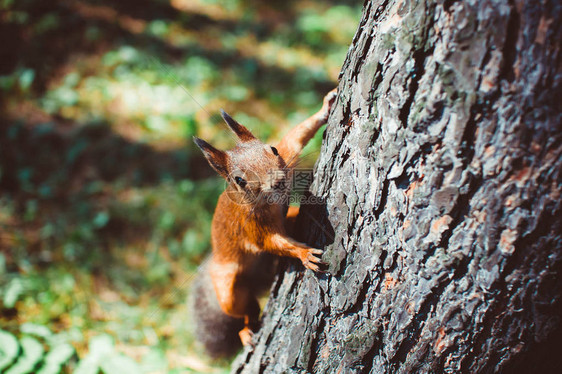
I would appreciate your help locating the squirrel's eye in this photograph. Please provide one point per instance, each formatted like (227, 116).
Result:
(274, 150)
(240, 181)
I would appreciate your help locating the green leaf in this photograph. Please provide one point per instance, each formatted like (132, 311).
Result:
(101, 219)
(236, 93)
(36, 329)
(157, 123)
(26, 78)
(57, 357)
(13, 292)
(32, 353)
(167, 220)
(101, 347)
(158, 27)
(66, 96)
(9, 348)
(88, 365)
(118, 363)
(71, 80)
(154, 361)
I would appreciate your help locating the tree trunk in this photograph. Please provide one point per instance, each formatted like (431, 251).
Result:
(440, 175)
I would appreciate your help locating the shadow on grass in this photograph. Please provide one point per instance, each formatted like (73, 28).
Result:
(35, 155)
(53, 32)
(90, 188)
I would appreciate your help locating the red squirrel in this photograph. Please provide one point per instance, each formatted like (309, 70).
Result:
(251, 219)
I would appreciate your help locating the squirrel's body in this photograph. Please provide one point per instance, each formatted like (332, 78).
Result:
(248, 225)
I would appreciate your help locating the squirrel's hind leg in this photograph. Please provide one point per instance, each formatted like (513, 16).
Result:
(236, 299)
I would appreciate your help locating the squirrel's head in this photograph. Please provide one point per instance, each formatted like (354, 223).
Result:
(255, 171)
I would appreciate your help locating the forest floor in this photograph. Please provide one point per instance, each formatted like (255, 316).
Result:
(105, 204)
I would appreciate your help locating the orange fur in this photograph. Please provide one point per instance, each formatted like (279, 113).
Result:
(291, 218)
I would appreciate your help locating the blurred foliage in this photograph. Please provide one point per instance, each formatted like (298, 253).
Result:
(105, 204)
(28, 354)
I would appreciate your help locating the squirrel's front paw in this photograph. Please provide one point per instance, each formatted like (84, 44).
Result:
(329, 100)
(246, 336)
(312, 260)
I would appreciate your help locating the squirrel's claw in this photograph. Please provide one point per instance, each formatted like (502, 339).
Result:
(312, 266)
(329, 100)
(246, 336)
(316, 251)
(312, 260)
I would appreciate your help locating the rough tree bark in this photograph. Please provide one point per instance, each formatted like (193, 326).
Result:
(441, 177)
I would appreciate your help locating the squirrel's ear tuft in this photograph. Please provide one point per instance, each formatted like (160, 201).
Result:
(217, 159)
(242, 132)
